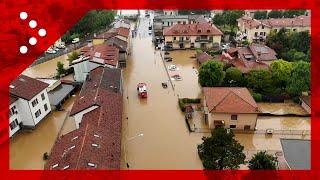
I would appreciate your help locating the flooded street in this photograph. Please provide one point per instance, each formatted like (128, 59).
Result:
(47, 69)
(166, 142)
(27, 147)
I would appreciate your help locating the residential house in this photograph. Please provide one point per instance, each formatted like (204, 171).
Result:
(252, 57)
(229, 107)
(123, 49)
(58, 91)
(306, 103)
(96, 144)
(203, 57)
(94, 56)
(121, 32)
(197, 35)
(29, 103)
(257, 30)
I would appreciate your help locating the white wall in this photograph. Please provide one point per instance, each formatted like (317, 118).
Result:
(40, 106)
(78, 116)
(14, 117)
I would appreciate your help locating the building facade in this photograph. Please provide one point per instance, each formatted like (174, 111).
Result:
(229, 107)
(29, 103)
(197, 35)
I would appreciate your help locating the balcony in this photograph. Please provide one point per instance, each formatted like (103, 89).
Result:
(204, 40)
(181, 41)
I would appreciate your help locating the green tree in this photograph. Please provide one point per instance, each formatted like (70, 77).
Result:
(233, 77)
(211, 74)
(262, 160)
(221, 151)
(231, 17)
(219, 20)
(73, 56)
(60, 69)
(281, 72)
(260, 81)
(299, 41)
(300, 79)
(294, 55)
(293, 13)
(275, 14)
(278, 41)
(260, 15)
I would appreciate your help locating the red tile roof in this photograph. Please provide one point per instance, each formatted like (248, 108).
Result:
(122, 31)
(12, 99)
(203, 57)
(300, 21)
(195, 29)
(229, 100)
(101, 54)
(105, 35)
(98, 140)
(26, 87)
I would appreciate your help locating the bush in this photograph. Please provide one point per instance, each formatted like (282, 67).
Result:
(213, 53)
(184, 101)
(257, 97)
(211, 74)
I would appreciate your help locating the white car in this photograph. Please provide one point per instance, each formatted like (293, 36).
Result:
(51, 51)
(172, 67)
(75, 40)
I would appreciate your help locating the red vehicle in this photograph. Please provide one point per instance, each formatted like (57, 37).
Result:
(142, 90)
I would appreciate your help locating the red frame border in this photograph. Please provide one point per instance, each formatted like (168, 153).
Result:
(15, 32)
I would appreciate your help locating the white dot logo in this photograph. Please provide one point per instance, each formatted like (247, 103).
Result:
(23, 49)
(42, 32)
(23, 15)
(32, 41)
(33, 24)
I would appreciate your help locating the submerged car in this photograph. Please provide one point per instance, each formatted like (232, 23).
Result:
(172, 67)
(142, 90)
(177, 77)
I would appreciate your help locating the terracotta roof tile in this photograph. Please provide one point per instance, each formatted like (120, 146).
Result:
(195, 29)
(98, 140)
(229, 100)
(102, 54)
(203, 57)
(26, 87)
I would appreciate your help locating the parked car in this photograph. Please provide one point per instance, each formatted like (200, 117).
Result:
(142, 90)
(172, 67)
(55, 48)
(177, 77)
(168, 59)
(51, 51)
(75, 40)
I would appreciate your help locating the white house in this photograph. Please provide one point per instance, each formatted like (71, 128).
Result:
(29, 103)
(94, 56)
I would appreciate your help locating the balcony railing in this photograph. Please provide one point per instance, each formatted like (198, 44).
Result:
(203, 40)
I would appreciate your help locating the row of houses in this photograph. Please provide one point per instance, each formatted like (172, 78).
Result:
(96, 143)
(251, 29)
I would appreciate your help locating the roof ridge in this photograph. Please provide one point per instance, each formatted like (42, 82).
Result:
(221, 100)
(82, 144)
(242, 98)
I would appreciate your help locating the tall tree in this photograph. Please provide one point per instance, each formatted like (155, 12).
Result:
(264, 161)
(275, 14)
(260, 15)
(300, 78)
(293, 13)
(281, 72)
(233, 77)
(260, 81)
(60, 69)
(221, 151)
(211, 74)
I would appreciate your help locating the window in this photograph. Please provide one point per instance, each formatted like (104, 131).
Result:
(34, 102)
(234, 117)
(262, 27)
(208, 30)
(246, 127)
(233, 126)
(13, 124)
(184, 22)
(255, 33)
(264, 33)
(293, 29)
(163, 23)
(261, 33)
(199, 30)
(174, 38)
(42, 96)
(257, 27)
(13, 111)
(45, 107)
(37, 113)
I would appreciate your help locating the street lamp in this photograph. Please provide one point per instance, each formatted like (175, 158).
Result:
(125, 149)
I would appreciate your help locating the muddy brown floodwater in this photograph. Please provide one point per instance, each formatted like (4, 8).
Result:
(166, 142)
(47, 69)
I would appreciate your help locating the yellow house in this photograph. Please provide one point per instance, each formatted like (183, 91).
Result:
(197, 35)
(229, 107)
(255, 30)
